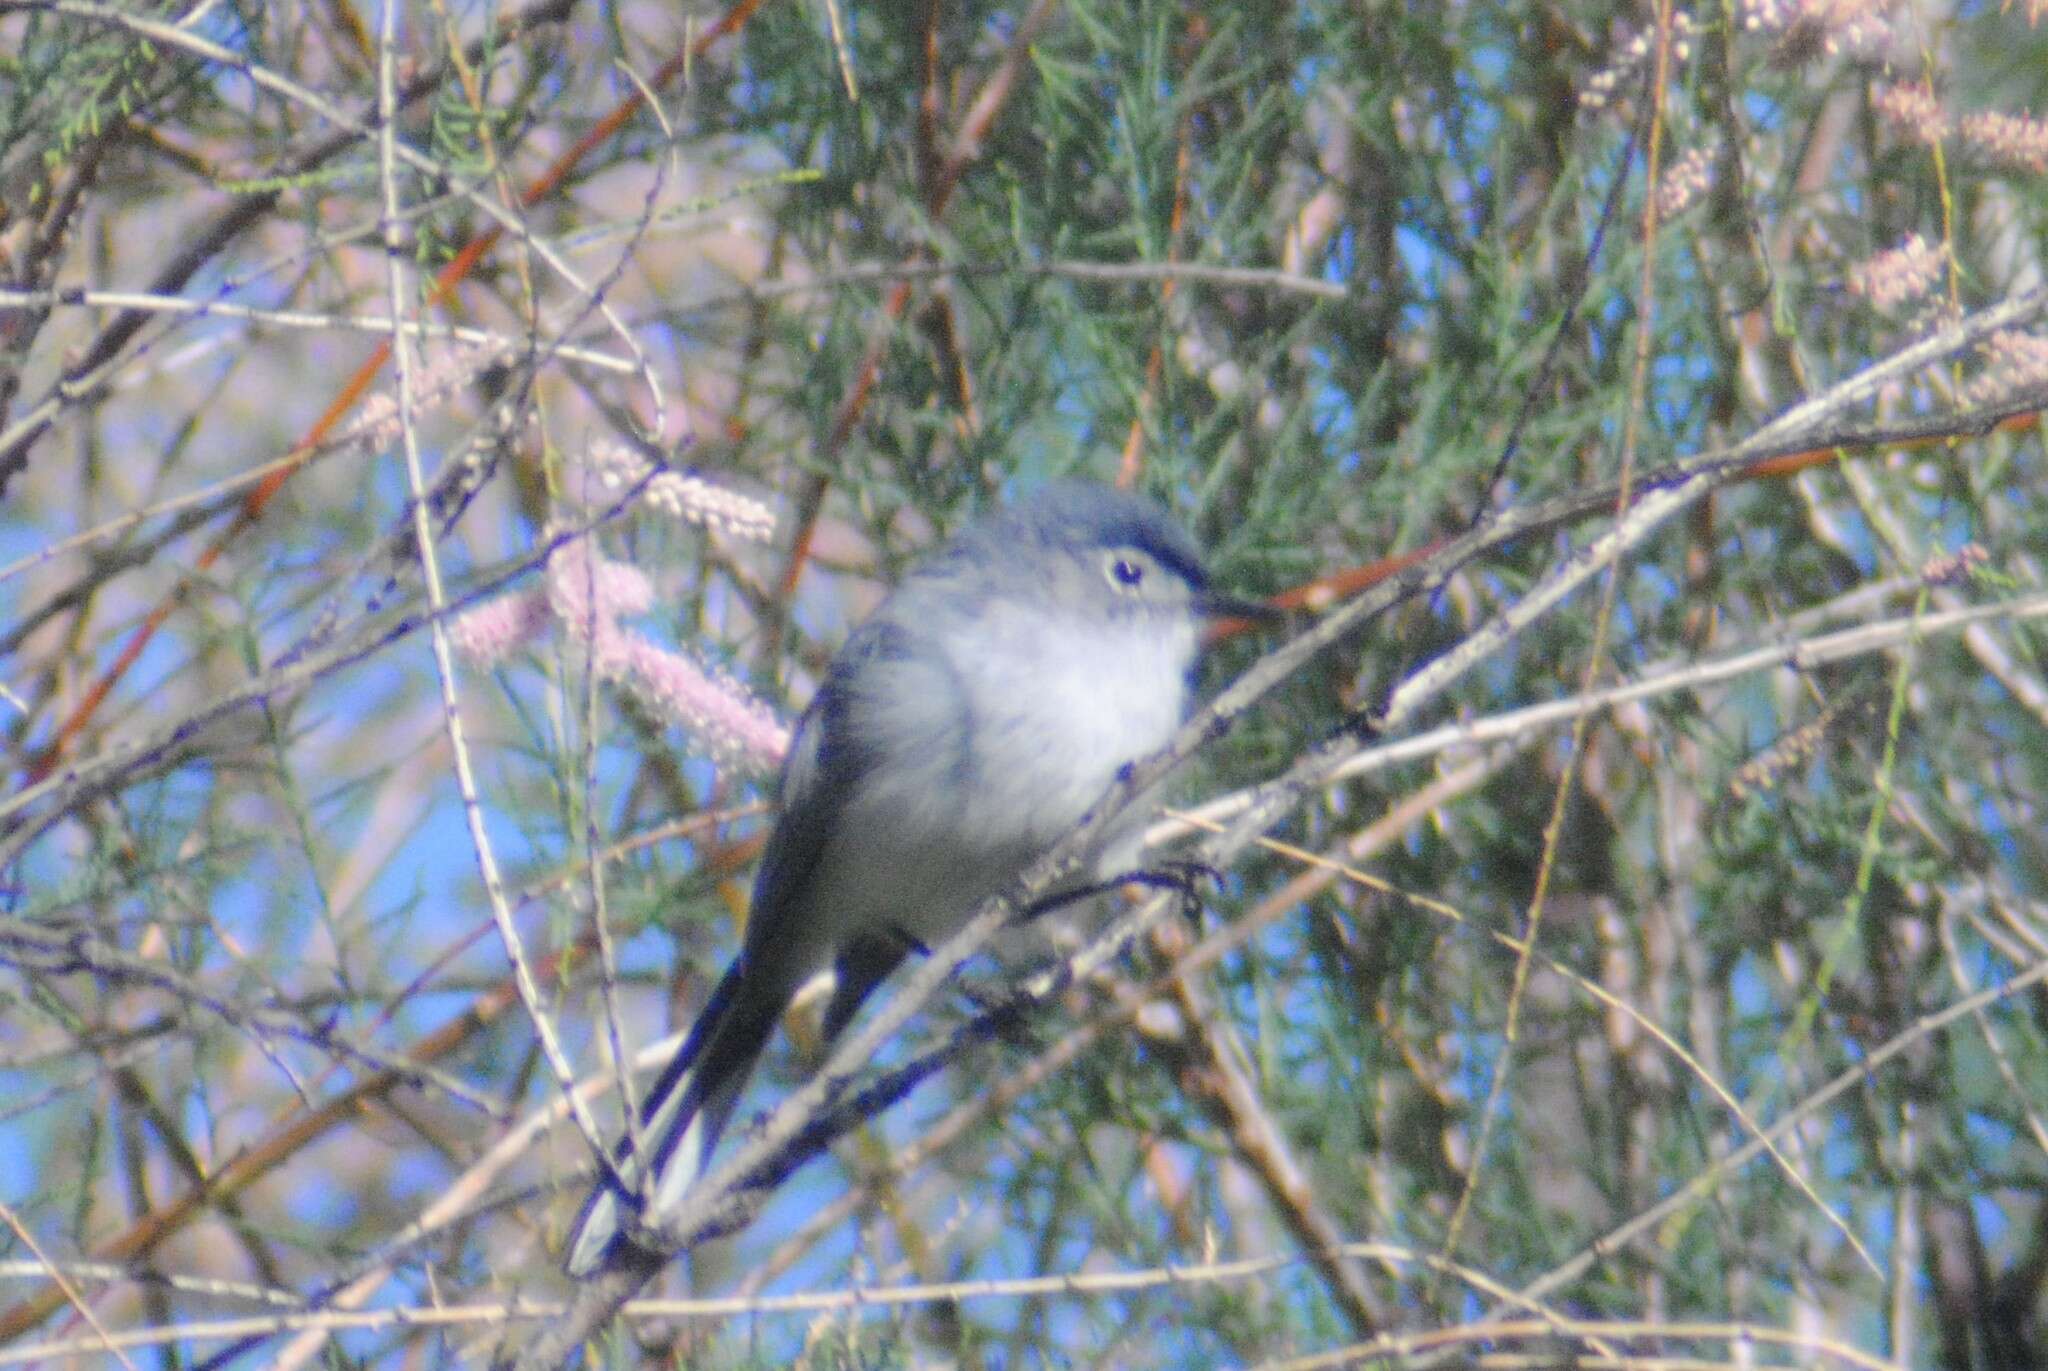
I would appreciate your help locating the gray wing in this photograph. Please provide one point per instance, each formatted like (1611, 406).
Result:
(833, 755)
(807, 803)
(840, 744)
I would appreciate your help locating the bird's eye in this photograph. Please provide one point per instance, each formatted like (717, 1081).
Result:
(1125, 572)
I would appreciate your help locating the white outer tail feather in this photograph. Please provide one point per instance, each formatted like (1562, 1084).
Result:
(598, 1225)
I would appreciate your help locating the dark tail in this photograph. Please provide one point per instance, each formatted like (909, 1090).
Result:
(681, 1118)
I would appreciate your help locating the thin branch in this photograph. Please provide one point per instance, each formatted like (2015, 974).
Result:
(1800, 654)
(1090, 1283)
(146, 302)
(430, 568)
(58, 951)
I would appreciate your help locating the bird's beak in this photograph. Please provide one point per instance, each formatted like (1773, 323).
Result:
(1213, 606)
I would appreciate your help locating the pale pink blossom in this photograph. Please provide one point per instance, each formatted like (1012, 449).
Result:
(1684, 181)
(2017, 361)
(496, 629)
(2018, 140)
(1952, 568)
(1904, 273)
(709, 704)
(1913, 111)
(1632, 57)
(587, 595)
(1820, 27)
(614, 467)
(376, 423)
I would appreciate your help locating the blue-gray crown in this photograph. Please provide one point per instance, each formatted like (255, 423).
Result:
(1078, 514)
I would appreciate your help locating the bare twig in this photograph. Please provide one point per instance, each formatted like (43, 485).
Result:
(430, 568)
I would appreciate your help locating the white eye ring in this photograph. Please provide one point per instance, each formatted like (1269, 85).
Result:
(1125, 572)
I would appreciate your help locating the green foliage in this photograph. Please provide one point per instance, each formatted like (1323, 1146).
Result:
(1331, 280)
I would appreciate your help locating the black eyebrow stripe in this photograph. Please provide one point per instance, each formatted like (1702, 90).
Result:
(1133, 535)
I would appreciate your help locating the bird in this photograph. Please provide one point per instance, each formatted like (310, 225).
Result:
(971, 721)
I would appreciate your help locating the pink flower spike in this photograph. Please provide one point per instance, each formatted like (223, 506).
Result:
(1913, 111)
(1631, 58)
(447, 369)
(2017, 140)
(623, 589)
(1906, 272)
(2018, 361)
(497, 628)
(590, 595)
(731, 724)
(1813, 28)
(683, 498)
(1684, 181)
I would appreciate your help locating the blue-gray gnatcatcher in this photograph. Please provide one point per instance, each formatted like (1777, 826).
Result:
(965, 727)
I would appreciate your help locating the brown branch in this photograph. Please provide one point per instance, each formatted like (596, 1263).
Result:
(2018, 415)
(1132, 463)
(966, 146)
(357, 385)
(1207, 1062)
(290, 1134)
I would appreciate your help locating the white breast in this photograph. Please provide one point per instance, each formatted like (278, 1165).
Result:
(1040, 724)
(1056, 715)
